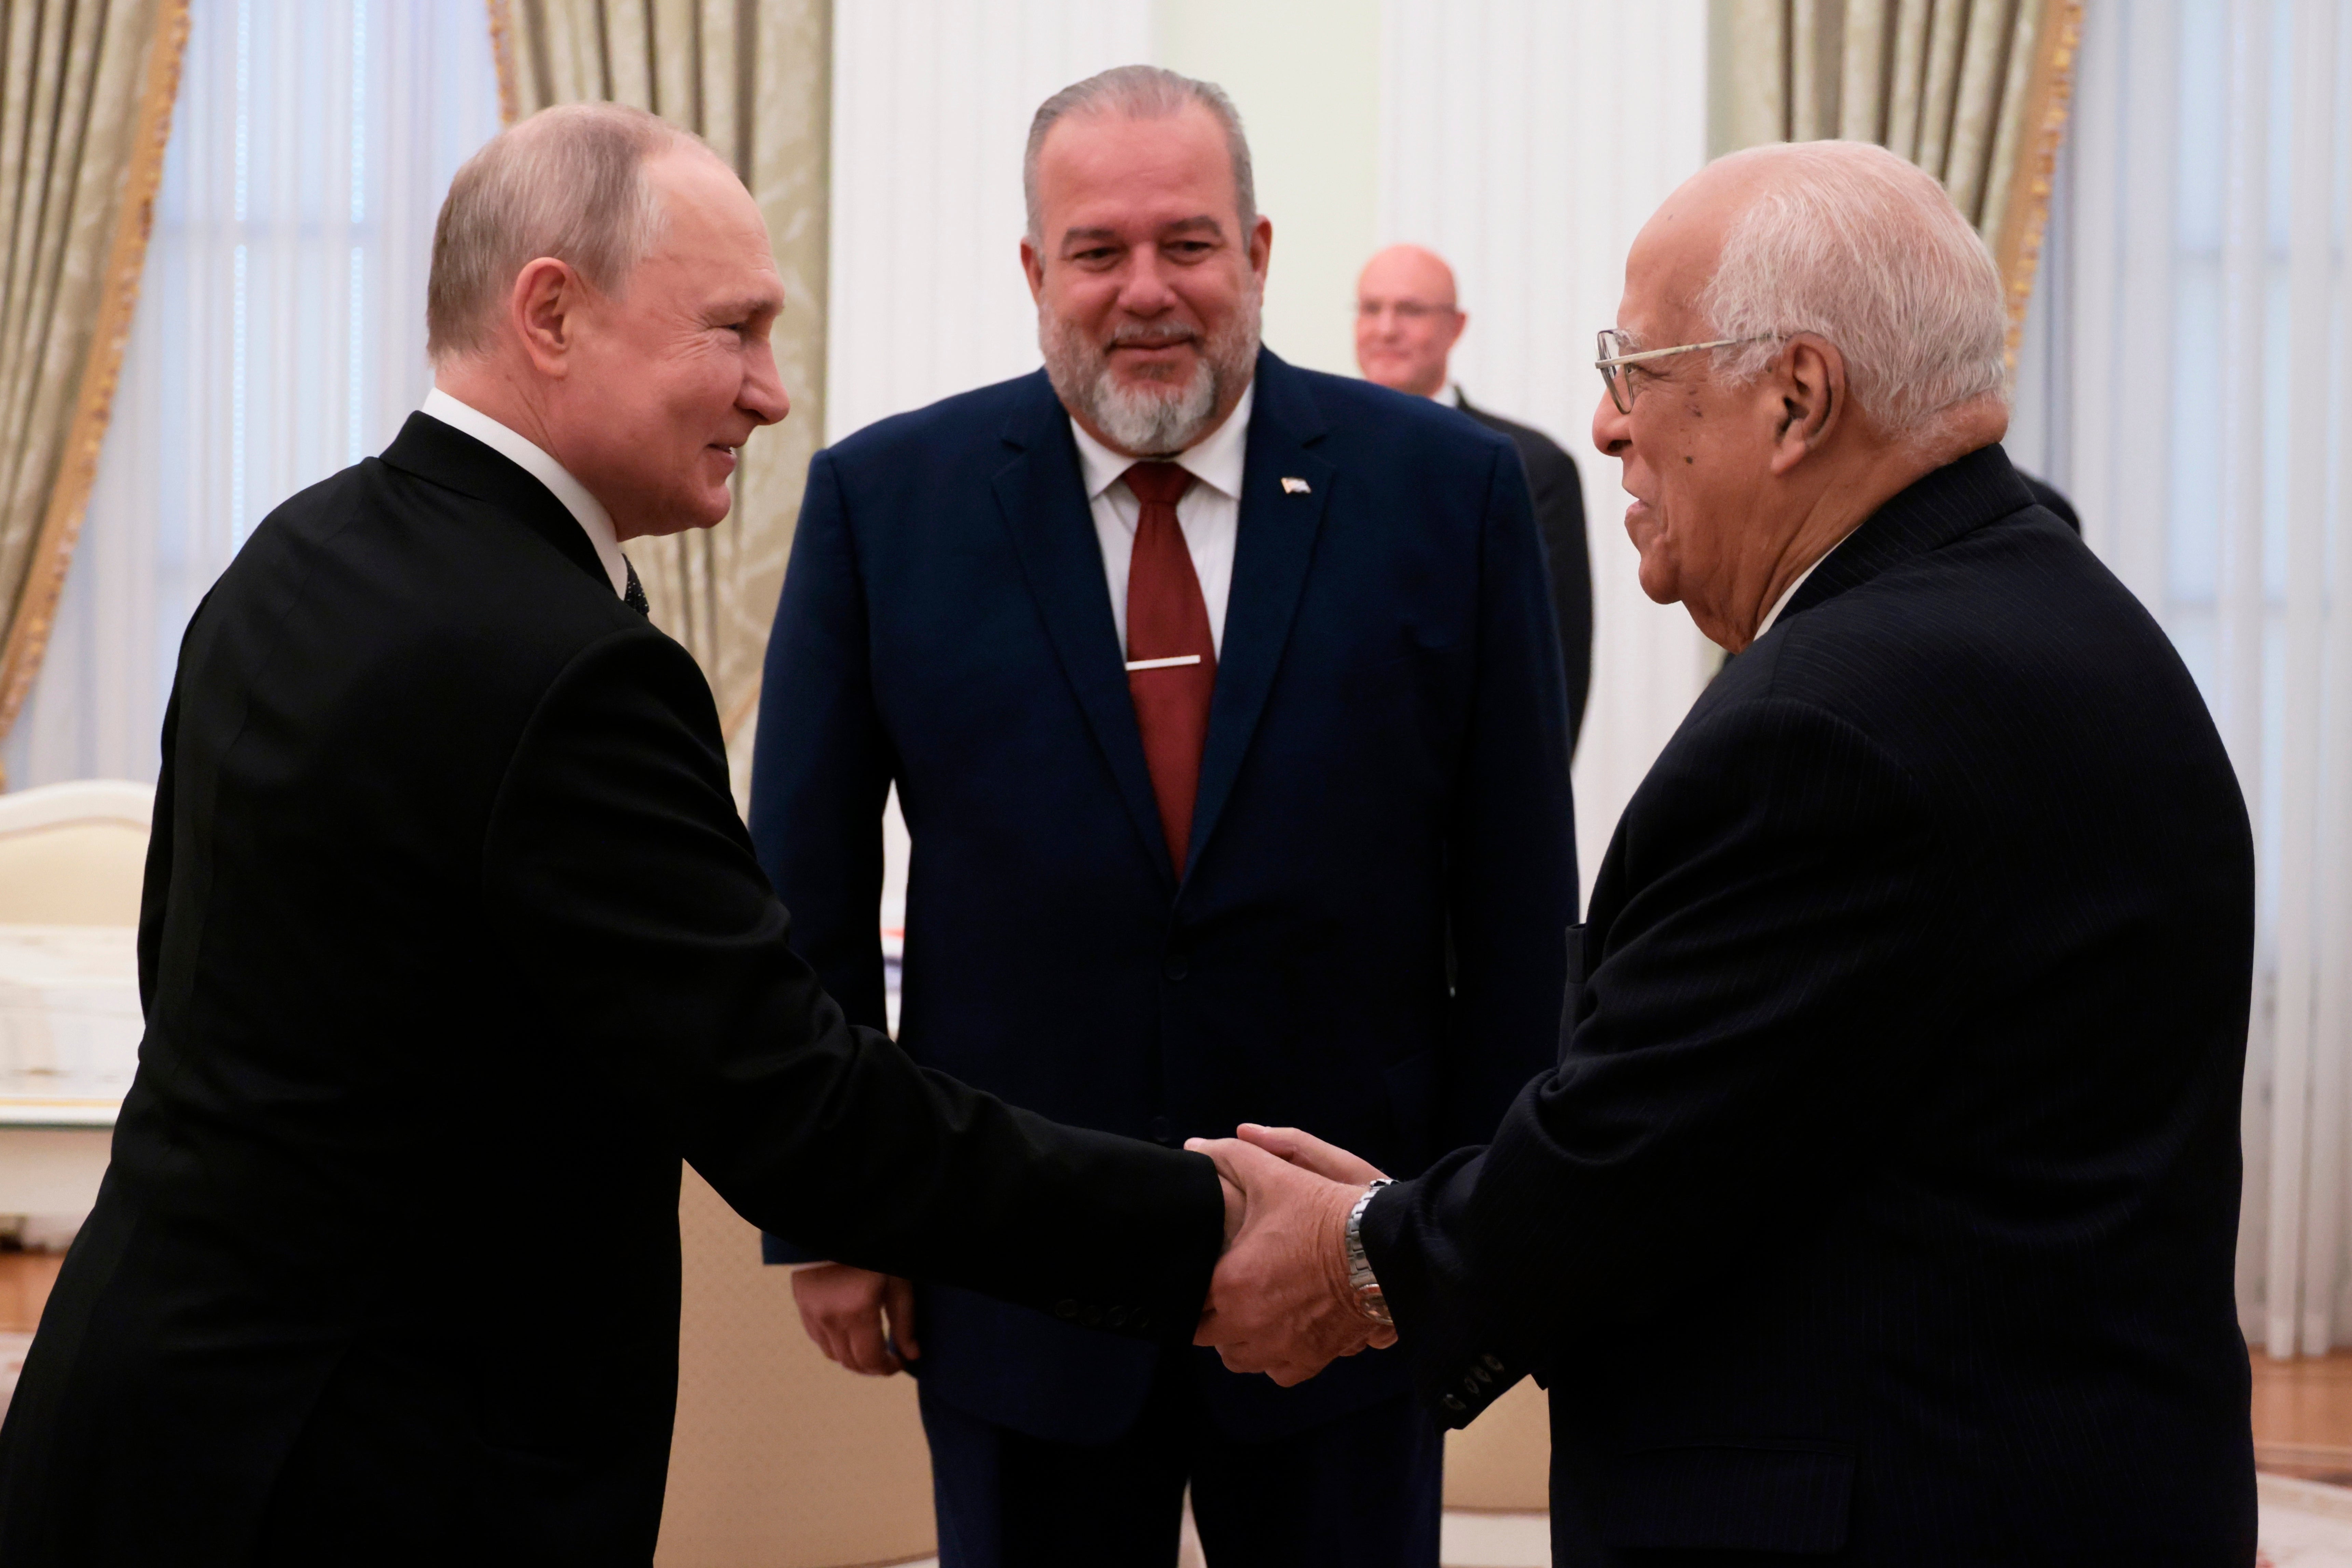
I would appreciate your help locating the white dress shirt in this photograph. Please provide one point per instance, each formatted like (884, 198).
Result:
(1790, 591)
(1210, 514)
(532, 459)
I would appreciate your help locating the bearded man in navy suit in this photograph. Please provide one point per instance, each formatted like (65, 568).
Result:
(1223, 706)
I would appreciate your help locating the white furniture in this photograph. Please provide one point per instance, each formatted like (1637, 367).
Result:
(73, 854)
(71, 858)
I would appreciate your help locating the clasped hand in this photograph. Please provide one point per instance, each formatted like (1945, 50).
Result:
(1279, 1303)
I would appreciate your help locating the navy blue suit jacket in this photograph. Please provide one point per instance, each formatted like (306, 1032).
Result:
(1367, 940)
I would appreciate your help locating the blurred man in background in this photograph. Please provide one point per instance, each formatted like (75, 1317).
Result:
(1222, 706)
(1407, 322)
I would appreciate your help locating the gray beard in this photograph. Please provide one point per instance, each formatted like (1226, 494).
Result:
(1155, 418)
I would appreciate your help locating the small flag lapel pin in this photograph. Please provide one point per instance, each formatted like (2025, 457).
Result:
(1295, 487)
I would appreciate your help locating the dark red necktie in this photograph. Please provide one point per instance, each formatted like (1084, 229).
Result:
(1171, 660)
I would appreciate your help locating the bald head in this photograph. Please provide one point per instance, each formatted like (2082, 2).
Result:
(1407, 320)
(1846, 241)
(1806, 330)
(569, 183)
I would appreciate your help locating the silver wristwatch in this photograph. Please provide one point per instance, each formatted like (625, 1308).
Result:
(1366, 1289)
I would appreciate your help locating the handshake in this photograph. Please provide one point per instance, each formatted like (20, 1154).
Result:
(1280, 1301)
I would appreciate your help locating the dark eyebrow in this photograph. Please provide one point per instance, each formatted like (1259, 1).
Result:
(746, 306)
(1194, 224)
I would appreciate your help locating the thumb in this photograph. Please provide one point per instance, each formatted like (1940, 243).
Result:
(898, 1298)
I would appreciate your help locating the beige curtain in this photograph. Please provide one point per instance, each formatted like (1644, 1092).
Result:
(86, 92)
(750, 77)
(1974, 92)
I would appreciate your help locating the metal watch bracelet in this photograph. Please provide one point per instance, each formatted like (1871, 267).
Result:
(1361, 1282)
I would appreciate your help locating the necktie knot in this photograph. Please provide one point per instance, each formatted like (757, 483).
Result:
(1158, 484)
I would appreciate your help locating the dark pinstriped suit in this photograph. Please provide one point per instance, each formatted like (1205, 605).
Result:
(1881, 1207)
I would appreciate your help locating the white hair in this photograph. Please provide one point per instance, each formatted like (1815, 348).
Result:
(1139, 92)
(1849, 241)
(567, 183)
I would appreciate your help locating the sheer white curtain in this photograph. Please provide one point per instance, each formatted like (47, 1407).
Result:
(2187, 380)
(1527, 142)
(281, 330)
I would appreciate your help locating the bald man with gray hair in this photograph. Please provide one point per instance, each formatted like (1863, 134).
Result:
(451, 931)
(1883, 1206)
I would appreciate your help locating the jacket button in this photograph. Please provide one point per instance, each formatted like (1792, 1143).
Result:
(1090, 1317)
(1065, 1309)
(1484, 1375)
(1177, 967)
(1470, 1385)
(1162, 1129)
(1494, 1362)
(1142, 1321)
(1450, 1401)
(1116, 1317)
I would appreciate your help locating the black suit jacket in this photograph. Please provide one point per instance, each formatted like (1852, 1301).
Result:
(452, 946)
(1364, 941)
(1883, 1204)
(1559, 518)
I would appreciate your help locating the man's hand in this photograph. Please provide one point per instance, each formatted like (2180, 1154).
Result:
(1279, 1303)
(1309, 1152)
(842, 1309)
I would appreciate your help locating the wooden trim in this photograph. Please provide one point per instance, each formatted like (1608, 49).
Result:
(502, 54)
(2048, 95)
(126, 261)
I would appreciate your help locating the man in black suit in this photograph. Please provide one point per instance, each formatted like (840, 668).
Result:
(1881, 1207)
(1408, 319)
(1221, 701)
(451, 931)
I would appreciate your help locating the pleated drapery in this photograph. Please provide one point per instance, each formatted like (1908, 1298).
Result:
(750, 77)
(1974, 92)
(86, 90)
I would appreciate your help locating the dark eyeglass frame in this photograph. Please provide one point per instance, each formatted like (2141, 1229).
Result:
(1613, 346)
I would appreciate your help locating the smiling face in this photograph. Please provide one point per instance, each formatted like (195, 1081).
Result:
(663, 381)
(1707, 515)
(1148, 290)
(1406, 322)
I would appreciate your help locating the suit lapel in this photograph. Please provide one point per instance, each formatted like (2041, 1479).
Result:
(1276, 541)
(1042, 496)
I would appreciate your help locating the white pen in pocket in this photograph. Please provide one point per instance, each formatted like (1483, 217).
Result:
(1136, 663)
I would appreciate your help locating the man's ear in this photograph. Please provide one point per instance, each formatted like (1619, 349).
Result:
(1260, 246)
(1033, 267)
(1808, 380)
(544, 310)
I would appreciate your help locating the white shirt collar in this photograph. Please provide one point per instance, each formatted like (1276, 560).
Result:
(1215, 462)
(1790, 591)
(1449, 395)
(532, 459)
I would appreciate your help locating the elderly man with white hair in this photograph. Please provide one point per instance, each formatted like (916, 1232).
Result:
(451, 929)
(1882, 1206)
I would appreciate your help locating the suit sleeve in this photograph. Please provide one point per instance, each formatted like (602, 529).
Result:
(1512, 837)
(1720, 1060)
(624, 887)
(821, 767)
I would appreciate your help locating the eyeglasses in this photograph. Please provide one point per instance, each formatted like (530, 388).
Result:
(1406, 310)
(1614, 357)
